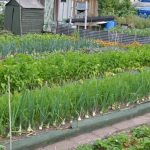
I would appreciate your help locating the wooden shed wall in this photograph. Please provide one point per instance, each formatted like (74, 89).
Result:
(93, 7)
(12, 18)
(42, 2)
(32, 20)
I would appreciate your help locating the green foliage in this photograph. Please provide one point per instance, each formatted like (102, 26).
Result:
(57, 104)
(33, 71)
(138, 140)
(141, 132)
(125, 8)
(133, 31)
(2, 147)
(36, 43)
(134, 21)
(108, 6)
(1, 21)
(116, 7)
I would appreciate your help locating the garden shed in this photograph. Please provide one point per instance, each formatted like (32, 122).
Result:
(24, 16)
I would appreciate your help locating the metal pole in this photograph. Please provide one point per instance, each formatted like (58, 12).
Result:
(86, 14)
(63, 11)
(68, 3)
(9, 103)
(71, 12)
(20, 19)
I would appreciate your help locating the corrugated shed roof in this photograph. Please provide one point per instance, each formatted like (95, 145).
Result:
(29, 3)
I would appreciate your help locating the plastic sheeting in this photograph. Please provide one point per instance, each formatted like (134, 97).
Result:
(49, 15)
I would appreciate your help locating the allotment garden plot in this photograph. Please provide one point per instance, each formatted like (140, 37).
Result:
(52, 86)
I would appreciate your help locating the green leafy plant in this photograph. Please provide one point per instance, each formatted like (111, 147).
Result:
(40, 43)
(134, 21)
(2, 147)
(1, 21)
(30, 72)
(45, 107)
(123, 141)
(116, 7)
(135, 32)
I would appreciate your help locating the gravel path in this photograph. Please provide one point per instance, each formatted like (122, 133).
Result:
(72, 143)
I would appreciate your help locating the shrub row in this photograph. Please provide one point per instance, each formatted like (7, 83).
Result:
(134, 21)
(29, 72)
(54, 106)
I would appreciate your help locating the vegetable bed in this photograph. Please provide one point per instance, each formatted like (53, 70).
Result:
(136, 139)
(30, 72)
(136, 32)
(45, 107)
(10, 45)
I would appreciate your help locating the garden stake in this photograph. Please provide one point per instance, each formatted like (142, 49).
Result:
(10, 129)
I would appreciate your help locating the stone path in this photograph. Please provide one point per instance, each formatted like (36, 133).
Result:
(68, 144)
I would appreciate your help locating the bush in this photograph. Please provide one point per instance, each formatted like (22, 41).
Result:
(134, 21)
(116, 7)
(1, 21)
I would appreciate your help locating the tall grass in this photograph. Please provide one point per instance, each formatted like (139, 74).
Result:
(43, 107)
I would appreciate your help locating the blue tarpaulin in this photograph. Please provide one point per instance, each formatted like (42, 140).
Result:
(144, 12)
(145, 0)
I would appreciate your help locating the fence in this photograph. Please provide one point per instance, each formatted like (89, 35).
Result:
(111, 36)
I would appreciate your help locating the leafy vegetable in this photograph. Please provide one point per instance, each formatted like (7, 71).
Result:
(123, 141)
(30, 72)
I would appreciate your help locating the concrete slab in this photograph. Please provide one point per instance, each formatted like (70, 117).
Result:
(104, 132)
(84, 138)
(62, 145)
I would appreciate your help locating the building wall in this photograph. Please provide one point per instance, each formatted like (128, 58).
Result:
(56, 10)
(32, 20)
(21, 20)
(12, 18)
(64, 10)
(42, 2)
(92, 7)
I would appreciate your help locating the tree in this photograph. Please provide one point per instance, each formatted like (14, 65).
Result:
(115, 7)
